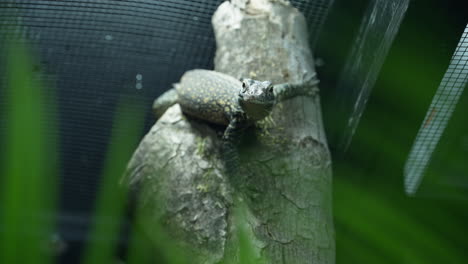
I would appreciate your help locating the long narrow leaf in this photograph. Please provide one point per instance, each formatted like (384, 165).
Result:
(112, 197)
(28, 174)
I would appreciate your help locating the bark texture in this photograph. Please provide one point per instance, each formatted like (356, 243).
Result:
(285, 162)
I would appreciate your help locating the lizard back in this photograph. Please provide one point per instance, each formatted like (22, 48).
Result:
(208, 95)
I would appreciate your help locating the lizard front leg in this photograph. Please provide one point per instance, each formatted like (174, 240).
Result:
(287, 90)
(230, 142)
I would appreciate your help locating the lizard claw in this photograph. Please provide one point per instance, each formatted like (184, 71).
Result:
(310, 78)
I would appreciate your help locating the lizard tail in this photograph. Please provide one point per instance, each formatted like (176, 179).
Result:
(163, 102)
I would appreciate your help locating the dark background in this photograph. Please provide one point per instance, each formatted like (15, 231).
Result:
(93, 51)
(376, 222)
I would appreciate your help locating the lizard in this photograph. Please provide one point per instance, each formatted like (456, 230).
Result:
(221, 99)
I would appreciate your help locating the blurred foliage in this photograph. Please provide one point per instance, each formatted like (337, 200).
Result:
(29, 182)
(112, 197)
(375, 221)
(28, 169)
(375, 226)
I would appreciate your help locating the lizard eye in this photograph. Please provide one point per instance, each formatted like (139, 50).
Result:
(270, 89)
(243, 84)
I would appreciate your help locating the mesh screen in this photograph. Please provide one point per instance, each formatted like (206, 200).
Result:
(378, 29)
(442, 106)
(93, 52)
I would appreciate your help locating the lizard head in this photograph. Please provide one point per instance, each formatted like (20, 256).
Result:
(256, 98)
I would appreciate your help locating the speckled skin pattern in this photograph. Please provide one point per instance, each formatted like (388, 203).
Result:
(209, 95)
(221, 99)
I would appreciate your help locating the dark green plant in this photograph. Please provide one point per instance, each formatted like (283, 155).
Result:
(29, 178)
(28, 169)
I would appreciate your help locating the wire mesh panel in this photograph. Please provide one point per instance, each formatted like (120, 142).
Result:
(378, 29)
(96, 51)
(91, 53)
(440, 111)
(315, 12)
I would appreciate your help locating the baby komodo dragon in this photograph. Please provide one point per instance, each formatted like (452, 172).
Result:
(222, 99)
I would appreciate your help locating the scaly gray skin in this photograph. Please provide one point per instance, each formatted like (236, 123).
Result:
(221, 99)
